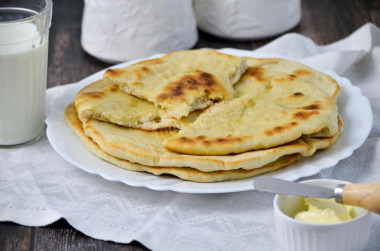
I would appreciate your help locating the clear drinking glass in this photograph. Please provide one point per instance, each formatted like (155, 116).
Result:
(24, 33)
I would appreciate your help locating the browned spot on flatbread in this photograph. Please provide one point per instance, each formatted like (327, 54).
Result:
(297, 94)
(198, 81)
(114, 73)
(114, 88)
(221, 140)
(137, 74)
(137, 84)
(162, 96)
(316, 105)
(256, 72)
(200, 137)
(302, 72)
(312, 107)
(206, 142)
(150, 61)
(250, 102)
(286, 78)
(92, 94)
(280, 129)
(301, 115)
(267, 60)
(209, 141)
(145, 69)
(185, 140)
(268, 133)
(163, 132)
(165, 129)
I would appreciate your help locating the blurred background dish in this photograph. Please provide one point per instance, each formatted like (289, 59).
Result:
(247, 19)
(120, 30)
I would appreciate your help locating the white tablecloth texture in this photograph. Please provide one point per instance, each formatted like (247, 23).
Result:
(38, 187)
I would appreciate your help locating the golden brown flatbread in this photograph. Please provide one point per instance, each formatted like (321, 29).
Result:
(185, 173)
(195, 115)
(271, 109)
(145, 147)
(105, 101)
(321, 80)
(181, 81)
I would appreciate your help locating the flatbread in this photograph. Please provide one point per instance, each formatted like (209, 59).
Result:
(321, 80)
(195, 115)
(145, 147)
(105, 101)
(184, 173)
(271, 108)
(181, 81)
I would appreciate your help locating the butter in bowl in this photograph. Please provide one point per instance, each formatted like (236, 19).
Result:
(307, 223)
(324, 211)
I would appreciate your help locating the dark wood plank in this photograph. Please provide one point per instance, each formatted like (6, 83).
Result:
(57, 236)
(14, 237)
(60, 236)
(68, 62)
(323, 21)
(328, 21)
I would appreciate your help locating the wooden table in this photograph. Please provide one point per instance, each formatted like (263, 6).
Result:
(323, 21)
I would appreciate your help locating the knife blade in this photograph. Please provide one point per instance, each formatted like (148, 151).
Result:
(361, 195)
(274, 185)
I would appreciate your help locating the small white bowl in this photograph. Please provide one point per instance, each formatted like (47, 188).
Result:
(296, 235)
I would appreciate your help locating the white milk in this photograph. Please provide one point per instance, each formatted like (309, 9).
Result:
(22, 83)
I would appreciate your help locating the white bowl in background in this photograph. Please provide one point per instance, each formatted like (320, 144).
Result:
(120, 30)
(247, 19)
(296, 235)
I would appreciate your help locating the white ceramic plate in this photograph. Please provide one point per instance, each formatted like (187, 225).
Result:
(354, 108)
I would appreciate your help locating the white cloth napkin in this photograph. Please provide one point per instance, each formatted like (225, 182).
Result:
(37, 186)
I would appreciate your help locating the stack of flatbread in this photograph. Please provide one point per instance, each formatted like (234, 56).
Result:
(205, 116)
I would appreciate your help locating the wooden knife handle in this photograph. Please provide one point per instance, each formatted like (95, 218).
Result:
(363, 195)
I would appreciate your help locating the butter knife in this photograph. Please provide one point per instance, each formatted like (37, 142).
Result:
(361, 195)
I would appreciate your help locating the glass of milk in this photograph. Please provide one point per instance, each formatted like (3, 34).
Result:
(24, 32)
